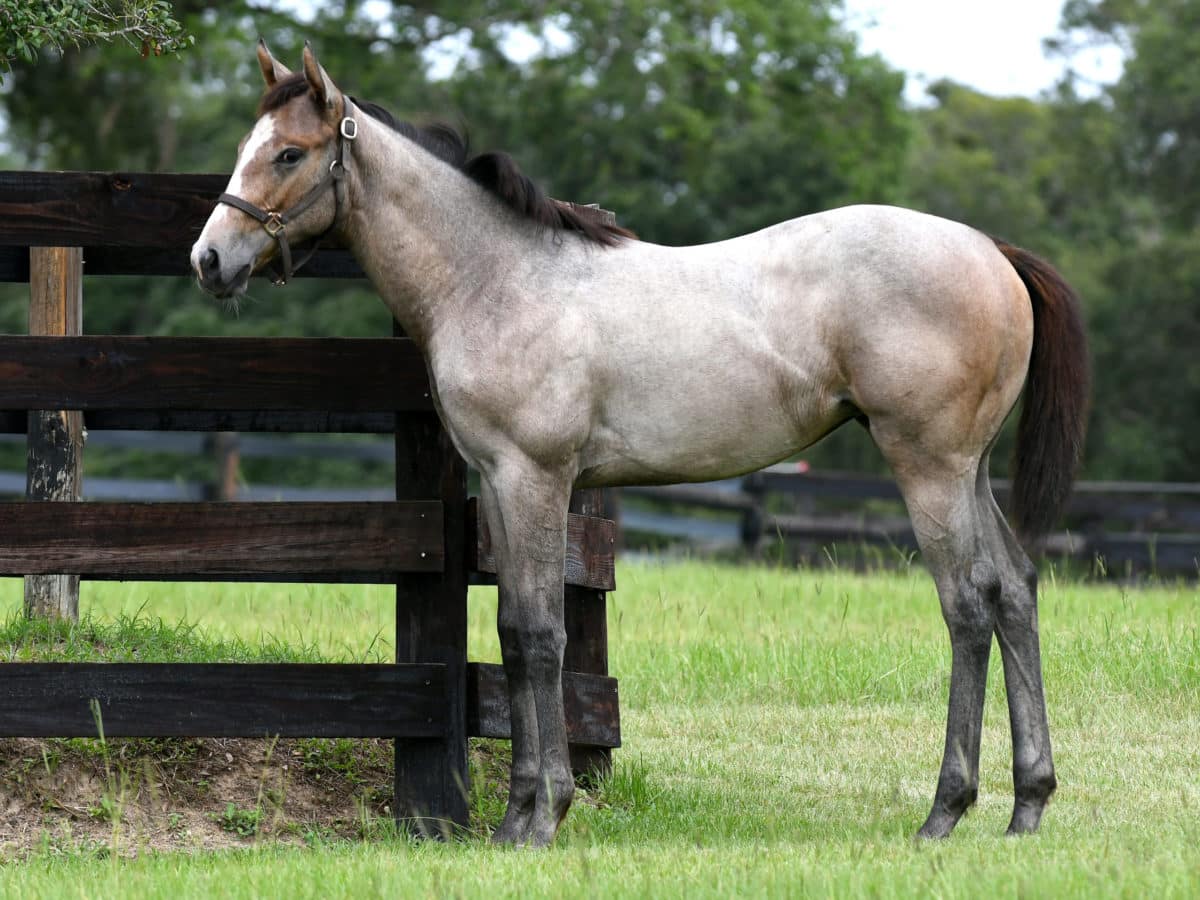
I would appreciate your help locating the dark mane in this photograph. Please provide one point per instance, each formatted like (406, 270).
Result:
(497, 172)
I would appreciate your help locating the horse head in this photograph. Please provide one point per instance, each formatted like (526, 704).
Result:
(287, 186)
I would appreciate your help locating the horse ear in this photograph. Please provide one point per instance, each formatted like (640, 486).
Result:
(272, 69)
(322, 86)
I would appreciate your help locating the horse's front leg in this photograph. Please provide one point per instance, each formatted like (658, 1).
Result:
(522, 784)
(527, 515)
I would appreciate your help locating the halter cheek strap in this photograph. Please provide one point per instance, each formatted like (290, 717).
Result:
(275, 223)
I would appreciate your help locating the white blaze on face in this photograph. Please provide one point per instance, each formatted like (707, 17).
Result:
(224, 217)
(264, 130)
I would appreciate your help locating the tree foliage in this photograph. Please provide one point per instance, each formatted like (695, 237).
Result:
(693, 120)
(26, 28)
(697, 120)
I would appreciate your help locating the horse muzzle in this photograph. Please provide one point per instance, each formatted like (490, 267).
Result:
(211, 272)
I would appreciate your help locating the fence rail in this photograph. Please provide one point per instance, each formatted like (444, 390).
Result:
(1121, 528)
(425, 536)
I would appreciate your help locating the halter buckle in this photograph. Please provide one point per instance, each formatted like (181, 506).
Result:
(349, 128)
(273, 224)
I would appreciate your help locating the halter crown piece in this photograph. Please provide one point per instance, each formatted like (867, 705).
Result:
(275, 223)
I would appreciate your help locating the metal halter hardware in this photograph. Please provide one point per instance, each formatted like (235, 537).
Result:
(275, 223)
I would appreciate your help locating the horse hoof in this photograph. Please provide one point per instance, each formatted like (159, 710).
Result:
(508, 837)
(540, 839)
(1025, 819)
(937, 827)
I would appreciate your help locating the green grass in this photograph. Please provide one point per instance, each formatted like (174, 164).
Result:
(782, 736)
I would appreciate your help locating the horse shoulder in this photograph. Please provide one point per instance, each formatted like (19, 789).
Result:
(517, 378)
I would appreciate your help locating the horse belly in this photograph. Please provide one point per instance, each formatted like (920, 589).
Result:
(702, 429)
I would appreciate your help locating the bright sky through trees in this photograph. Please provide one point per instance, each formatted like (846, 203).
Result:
(993, 47)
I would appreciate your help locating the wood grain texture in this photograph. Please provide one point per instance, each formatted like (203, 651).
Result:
(346, 374)
(112, 209)
(324, 542)
(590, 546)
(591, 703)
(432, 779)
(158, 216)
(221, 700)
(261, 420)
(327, 263)
(585, 617)
(54, 437)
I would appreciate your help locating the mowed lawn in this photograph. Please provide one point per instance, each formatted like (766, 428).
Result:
(782, 734)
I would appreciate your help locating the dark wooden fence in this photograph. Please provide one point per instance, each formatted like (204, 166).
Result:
(1120, 529)
(429, 540)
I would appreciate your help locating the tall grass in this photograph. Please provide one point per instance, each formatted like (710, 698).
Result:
(782, 735)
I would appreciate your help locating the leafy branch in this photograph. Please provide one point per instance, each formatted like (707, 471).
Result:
(147, 25)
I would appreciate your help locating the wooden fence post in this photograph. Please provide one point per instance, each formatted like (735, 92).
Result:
(585, 614)
(54, 457)
(431, 782)
(754, 516)
(222, 447)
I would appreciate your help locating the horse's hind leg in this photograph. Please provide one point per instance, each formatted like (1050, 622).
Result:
(1017, 633)
(940, 493)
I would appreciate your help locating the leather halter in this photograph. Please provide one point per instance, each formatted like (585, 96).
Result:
(275, 223)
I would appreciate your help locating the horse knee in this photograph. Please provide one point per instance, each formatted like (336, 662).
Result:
(1028, 574)
(544, 647)
(970, 607)
(537, 644)
(1018, 606)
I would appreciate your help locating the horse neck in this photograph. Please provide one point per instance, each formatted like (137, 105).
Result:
(426, 235)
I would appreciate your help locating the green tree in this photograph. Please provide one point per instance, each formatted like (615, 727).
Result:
(1145, 330)
(25, 28)
(694, 120)
(1158, 94)
(1145, 314)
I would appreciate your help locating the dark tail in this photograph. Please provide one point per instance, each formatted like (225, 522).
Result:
(1054, 413)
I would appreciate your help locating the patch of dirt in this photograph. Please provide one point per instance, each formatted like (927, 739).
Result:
(131, 795)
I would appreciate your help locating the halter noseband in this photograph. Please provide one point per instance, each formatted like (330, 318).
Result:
(275, 223)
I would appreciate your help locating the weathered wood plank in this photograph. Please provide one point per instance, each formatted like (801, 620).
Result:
(329, 262)
(827, 484)
(432, 779)
(333, 542)
(54, 437)
(113, 209)
(144, 211)
(221, 700)
(843, 527)
(1123, 554)
(590, 549)
(694, 495)
(590, 701)
(91, 372)
(585, 617)
(261, 420)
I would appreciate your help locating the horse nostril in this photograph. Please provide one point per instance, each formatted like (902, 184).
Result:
(210, 262)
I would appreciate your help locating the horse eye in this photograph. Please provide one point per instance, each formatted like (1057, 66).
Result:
(290, 156)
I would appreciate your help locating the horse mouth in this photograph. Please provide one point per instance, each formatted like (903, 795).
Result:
(227, 290)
